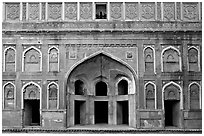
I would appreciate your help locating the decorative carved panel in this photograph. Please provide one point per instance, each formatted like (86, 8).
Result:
(32, 60)
(193, 59)
(131, 11)
(172, 92)
(31, 92)
(190, 11)
(194, 97)
(116, 11)
(34, 11)
(54, 11)
(86, 11)
(10, 60)
(13, 11)
(147, 11)
(169, 11)
(9, 96)
(171, 61)
(71, 11)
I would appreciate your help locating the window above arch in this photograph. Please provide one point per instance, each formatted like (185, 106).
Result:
(123, 87)
(101, 89)
(79, 88)
(149, 59)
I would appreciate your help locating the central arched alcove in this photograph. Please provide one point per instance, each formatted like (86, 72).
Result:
(101, 89)
(103, 78)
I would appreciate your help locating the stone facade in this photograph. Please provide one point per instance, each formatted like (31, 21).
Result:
(62, 67)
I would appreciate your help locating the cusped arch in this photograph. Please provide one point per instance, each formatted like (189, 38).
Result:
(153, 50)
(13, 92)
(48, 86)
(23, 57)
(5, 50)
(155, 92)
(53, 47)
(198, 56)
(108, 55)
(23, 90)
(130, 85)
(199, 91)
(180, 93)
(170, 48)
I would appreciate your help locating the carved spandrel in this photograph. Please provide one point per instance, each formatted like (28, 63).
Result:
(54, 11)
(169, 11)
(147, 11)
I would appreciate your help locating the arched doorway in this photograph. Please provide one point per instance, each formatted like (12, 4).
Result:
(172, 105)
(31, 104)
(99, 74)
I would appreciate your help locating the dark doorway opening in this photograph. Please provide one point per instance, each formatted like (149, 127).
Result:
(80, 112)
(123, 87)
(101, 89)
(122, 112)
(172, 110)
(101, 112)
(32, 112)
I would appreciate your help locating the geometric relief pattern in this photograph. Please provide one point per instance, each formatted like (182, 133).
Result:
(149, 59)
(148, 11)
(190, 11)
(9, 96)
(34, 13)
(13, 11)
(31, 92)
(53, 95)
(53, 59)
(169, 11)
(71, 11)
(194, 96)
(116, 10)
(171, 60)
(86, 11)
(172, 92)
(10, 60)
(54, 11)
(131, 11)
(193, 59)
(32, 60)
(150, 96)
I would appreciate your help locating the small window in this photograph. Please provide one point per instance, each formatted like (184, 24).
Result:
(101, 12)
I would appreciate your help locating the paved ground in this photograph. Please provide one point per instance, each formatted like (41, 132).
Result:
(101, 128)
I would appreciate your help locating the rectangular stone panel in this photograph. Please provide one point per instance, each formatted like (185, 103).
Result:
(33, 11)
(147, 11)
(190, 11)
(11, 118)
(131, 11)
(168, 11)
(54, 11)
(13, 11)
(70, 11)
(150, 123)
(116, 11)
(86, 11)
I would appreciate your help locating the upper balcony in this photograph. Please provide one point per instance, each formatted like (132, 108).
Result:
(102, 16)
